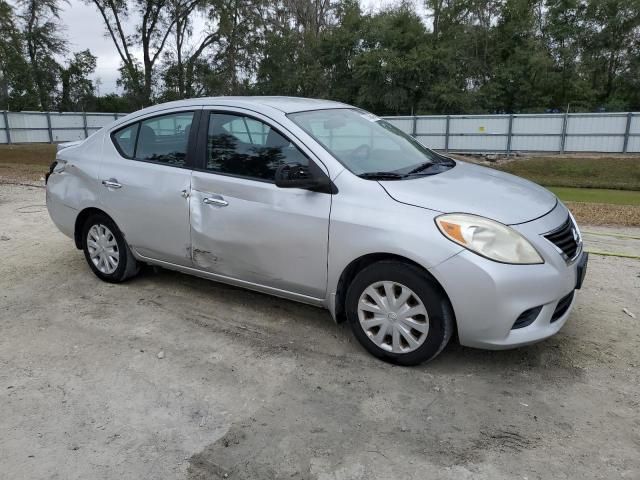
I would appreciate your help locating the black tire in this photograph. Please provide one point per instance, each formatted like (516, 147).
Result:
(127, 264)
(440, 313)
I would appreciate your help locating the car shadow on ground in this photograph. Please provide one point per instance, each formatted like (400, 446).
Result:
(303, 328)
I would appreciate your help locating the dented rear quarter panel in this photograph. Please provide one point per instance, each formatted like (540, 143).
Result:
(78, 186)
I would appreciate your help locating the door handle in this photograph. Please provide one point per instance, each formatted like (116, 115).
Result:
(215, 201)
(111, 183)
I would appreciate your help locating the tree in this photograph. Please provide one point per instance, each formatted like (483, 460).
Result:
(522, 73)
(610, 47)
(42, 36)
(77, 88)
(154, 21)
(472, 56)
(16, 89)
(393, 66)
(223, 60)
(337, 52)
(111, 103)
(460, 51)
(562, 31)
(240, 40)
(180, 61)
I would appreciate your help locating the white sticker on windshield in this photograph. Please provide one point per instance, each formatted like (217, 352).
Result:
(370, 116)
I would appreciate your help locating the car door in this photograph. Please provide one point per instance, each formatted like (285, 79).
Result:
(146, 179)
(242, 225)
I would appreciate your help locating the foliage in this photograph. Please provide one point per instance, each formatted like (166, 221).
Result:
(449, 57)
(43, 42)
(77, 90)
(16, 88)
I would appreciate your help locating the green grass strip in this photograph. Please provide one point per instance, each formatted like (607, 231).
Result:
(597, 195)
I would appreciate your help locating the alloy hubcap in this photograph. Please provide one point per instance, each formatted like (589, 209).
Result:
(393, 317)
(103, 249)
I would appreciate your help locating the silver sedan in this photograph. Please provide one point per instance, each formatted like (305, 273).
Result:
(323, 203)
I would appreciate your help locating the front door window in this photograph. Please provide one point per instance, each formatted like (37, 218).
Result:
(245, 147)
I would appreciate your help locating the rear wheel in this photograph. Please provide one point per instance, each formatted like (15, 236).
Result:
(398, 313)
(105, 250)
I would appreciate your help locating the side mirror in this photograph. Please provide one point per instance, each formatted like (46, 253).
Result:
(295, 175)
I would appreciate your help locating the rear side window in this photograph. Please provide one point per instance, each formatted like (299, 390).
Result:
(125, 140)
(165, 139)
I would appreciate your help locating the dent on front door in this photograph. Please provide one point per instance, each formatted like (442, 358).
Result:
(259, 233)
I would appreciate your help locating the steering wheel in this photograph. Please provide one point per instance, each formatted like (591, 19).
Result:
(361, 152)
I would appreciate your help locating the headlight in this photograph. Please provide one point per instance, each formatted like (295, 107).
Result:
(488, 238)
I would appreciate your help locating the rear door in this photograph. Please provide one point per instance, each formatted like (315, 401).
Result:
(242, 225)
(146, 180)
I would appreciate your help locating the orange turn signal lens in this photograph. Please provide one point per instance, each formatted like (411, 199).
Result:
(453, 230)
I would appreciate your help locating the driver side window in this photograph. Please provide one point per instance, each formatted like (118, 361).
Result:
(246, 147)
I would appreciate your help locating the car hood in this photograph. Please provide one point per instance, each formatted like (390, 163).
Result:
(468, 188)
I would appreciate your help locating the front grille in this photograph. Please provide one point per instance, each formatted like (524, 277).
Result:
(565, 238)
(562, 307)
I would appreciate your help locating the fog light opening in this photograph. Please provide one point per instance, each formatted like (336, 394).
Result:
(527, 317)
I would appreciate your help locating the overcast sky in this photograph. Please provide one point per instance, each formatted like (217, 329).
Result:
(85, 29)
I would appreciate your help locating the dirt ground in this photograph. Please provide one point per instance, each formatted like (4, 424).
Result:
(254, 387)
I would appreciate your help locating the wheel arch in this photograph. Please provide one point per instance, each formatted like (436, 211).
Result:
(360, 263)
(80, 219)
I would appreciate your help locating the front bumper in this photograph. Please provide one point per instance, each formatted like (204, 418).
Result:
(488, 297)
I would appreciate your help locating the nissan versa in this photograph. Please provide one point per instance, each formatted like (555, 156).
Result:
(326, 204)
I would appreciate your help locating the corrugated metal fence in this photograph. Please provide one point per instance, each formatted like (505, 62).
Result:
(51, 127)
(558, 133)
(574, 132)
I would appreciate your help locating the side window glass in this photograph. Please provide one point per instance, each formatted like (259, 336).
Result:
(238, 129)
(164, 139)
(125, 140)
(257, 130)
(243, 146)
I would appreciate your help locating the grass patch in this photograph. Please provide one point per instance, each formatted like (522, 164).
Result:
(28, 154)
(26, 163)
(598, 172)
(599, 190)
(597, 195)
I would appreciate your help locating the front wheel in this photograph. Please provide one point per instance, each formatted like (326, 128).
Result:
(398, 313)
(106, 251)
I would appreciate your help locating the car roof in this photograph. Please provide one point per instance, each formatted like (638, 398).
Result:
(284, 104)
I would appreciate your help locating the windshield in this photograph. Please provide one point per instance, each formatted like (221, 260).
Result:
(368, 145)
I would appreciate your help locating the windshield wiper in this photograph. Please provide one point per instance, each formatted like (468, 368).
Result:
(420, 168)
(381, 176)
